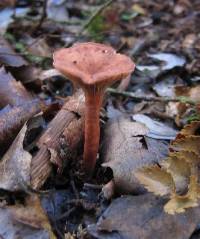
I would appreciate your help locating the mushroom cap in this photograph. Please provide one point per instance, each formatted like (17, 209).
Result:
(92, 64)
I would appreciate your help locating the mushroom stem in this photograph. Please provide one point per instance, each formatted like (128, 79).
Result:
(93, 102)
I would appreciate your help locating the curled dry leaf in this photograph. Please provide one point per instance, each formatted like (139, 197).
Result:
(157, 130)
(12, 120)
(180, 170)
(178, 203)
(183, 166)
(12, 92)
(15, 165)
(190, 157)
(126, 149)
(190, 143)
(191, 129)
(156, 180)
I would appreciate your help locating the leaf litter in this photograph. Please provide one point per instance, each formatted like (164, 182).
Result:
(167, 66)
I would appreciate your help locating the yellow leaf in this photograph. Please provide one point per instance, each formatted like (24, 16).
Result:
(156, 180)
(178, 204)
(32, 214)
(191, 158)
(180, 171)
(190, 144)
(137, 8)
(191, 129)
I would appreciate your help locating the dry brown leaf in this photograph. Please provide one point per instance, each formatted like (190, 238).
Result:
(39, 47)
(125, 149)
(190, 144)
(190, 157)
(180, 171)
(178, 204)
(143, 217)
(15, 165)
(10, 229)
(7, 3)
(12, 92)
(191, 129)
(12, 120)
(156, 180)
(32, 214)
(183, 166)
(192, 92)
(8, 56)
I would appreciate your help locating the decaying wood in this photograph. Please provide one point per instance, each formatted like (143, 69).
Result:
(70, 115)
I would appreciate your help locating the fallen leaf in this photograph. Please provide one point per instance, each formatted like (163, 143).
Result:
(191, 144)
(126, 148)
(171, 60)
(193, 93)
(10, 229)
(7, 3)
(191, 129)
(32, 215)
(179, 203)
(157, 130)
(15, 165)
(12, 92)
(183, 165)
(165, 87)
(38, 47)
(180, 170)
(8, 56)
(12, 120)
(190, 157)
(156, 180)
(57, 10)
(134, 217)
(137, 8)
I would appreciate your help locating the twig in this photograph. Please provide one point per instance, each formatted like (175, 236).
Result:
(23, 54)
(93, 186)
(96, 13)
(66, 214)
(44, 15)
(150, 98)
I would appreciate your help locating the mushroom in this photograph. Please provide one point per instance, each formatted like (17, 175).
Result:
(93, 67)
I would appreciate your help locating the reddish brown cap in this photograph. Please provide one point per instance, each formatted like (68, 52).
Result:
(91, 64)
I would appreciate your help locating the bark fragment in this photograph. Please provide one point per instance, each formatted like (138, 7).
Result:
(68, 124)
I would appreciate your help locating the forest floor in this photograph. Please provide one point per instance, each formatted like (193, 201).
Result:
(146, 181)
